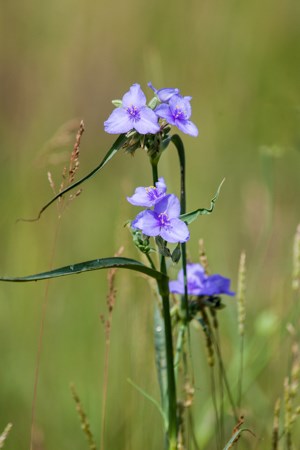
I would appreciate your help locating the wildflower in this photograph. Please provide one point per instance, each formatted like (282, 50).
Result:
(148, 196)
(133, 114)
(177, 112)
(164, 94)
(163, 221)
(198, 283)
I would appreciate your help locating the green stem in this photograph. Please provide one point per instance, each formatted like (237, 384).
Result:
(154, 171)
(164, 289)
(181, 155)
(172, 401)
(150, 261)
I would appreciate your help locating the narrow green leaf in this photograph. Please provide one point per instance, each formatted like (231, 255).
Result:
(95, 264)
(117, 145)
(190, 217)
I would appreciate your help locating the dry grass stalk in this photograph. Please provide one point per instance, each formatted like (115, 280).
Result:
(51, 182)
(203, 257)
(208, 341)
(296, 261)
(189, 391)
(290, 389)
(236, 429)
(68, 175)
(111, 295)
(74, 161)
(241, 290)
(288, 413)
(295, 371)
(275, 432)
(83, 419)
(4, 434)
(181, 429)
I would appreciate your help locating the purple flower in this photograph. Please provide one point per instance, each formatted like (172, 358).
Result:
(177, 112)
(216, 285)
(164, 94)
(195, 276)
(133, 114)
(163, 221)
(149, 196)
(199, 283)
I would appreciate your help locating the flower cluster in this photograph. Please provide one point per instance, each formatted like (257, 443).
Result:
(163, 220)
(199, 284)
(133, 113)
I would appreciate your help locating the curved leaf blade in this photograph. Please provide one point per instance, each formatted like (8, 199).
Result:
(190, 217)
(87, 266)
(117, 145)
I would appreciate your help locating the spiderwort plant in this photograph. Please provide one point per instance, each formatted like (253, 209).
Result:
(148, 126)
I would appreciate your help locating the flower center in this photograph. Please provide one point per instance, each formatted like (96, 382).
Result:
(134, 113)
(178, 113)
(152, 193)
(163, 219)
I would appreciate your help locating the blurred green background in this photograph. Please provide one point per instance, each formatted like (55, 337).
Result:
(63, 61)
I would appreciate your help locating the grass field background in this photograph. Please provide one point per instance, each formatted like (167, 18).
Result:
(64, 61)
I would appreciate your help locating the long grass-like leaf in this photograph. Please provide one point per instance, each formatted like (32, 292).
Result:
(95, 264)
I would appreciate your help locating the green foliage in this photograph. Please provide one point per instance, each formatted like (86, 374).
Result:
(96, 264)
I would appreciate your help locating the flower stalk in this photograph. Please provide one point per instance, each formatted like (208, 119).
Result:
(171, 388)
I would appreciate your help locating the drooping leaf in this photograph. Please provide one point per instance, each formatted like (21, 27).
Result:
(117, 145)
(190, 217)
(95, 264)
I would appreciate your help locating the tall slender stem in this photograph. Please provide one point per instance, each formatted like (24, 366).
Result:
(164, 289)
(181, 155)
(172, 402)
